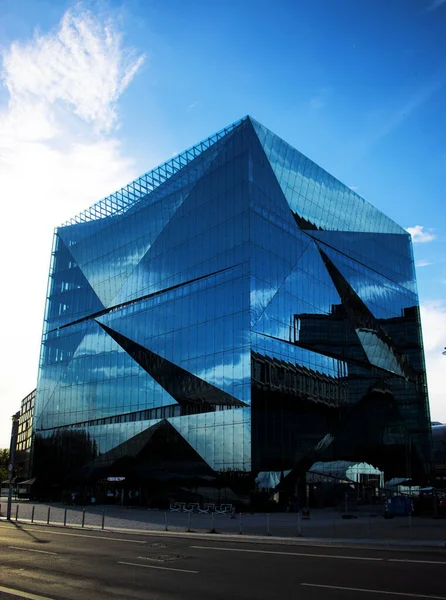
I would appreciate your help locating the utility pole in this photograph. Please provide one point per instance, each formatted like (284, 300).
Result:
(14, 434)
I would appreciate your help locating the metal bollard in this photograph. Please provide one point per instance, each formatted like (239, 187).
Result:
(165, 521)
(32, 513)
(83, 517)
(370, 523)
(334, 525)
(299, 524)
(268, 532)
(103, 519)
(410, 526)
(213, 523)
(65, 518)
(16, 512)
(189, 519)
(48, 516)
(241, 527)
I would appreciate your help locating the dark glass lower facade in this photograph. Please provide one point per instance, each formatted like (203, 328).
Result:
(236, 310)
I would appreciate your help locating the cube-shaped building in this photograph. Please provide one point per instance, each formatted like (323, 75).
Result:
(235, 310)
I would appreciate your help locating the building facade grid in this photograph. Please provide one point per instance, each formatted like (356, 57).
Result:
(241, 305)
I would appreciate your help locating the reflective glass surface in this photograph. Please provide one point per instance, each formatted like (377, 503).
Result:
(237, 309)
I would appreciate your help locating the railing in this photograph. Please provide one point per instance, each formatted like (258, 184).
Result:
(223, 519)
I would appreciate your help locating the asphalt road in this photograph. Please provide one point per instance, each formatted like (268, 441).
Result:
(41, 563)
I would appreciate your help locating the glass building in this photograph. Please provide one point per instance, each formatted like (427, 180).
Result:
(236, 310)
(24, 436)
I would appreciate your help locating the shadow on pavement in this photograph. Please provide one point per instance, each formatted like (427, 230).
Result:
(35, 539)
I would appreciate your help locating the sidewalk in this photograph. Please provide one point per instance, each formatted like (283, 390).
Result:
(325, 527)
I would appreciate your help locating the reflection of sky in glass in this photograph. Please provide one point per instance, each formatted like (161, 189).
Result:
(221, 438)
(227, 268)
(316, 195)
(378, 352)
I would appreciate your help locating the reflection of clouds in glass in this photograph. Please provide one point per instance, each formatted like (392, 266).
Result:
(132, 259)
(221, 438)
(316, 186)
(386, 299)
(228, 372)
(373, 292)
(259, 299)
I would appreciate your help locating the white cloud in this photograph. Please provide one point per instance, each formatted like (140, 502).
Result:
(422, 263)
(82, 64)
(419, 235)
(433, 318)
(194, 104)
(58, 154)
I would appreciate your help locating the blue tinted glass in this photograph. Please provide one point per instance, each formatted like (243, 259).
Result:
(235, 310)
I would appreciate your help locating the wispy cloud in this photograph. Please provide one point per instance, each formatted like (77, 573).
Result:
(320, 99)
(401, 114)
(385, 120)
(435, 4)
(82, 65)
(58, 153)
(193, 105)
(355, 188)
(422, 263)
(419, 235)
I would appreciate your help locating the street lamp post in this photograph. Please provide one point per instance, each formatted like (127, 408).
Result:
(12, 448)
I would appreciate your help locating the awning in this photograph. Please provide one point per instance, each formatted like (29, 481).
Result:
(27, 482)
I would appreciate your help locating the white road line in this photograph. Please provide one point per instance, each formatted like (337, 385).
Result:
(32, 550)
(156, 567)
(289, 553)
(423, 562)
(387, 592)
(95, 537)
(23, 594)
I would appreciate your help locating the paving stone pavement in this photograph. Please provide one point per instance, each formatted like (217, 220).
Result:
(322, 524)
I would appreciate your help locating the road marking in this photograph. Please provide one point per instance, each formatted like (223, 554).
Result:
(423, 562)
(156, 567)
(352, 589)
(31, 550)
(289, 553)
(23, 594)
(95, 537)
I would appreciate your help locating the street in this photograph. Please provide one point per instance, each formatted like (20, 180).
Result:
(41, 563)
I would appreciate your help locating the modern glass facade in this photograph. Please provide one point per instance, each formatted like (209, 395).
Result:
(235, 310)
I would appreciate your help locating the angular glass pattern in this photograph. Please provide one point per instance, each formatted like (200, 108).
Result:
(236, 310)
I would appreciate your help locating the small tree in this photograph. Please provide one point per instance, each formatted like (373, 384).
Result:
(4, 462)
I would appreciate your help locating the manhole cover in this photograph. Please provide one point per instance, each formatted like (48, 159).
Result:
(165, 557)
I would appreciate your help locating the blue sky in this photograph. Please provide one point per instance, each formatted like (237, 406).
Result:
(96, 93)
